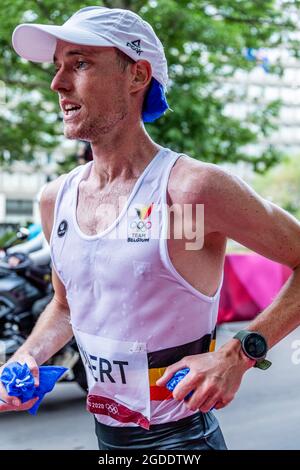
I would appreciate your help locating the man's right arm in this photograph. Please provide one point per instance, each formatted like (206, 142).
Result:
(53, 329)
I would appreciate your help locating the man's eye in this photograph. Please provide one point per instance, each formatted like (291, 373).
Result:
(81, 64)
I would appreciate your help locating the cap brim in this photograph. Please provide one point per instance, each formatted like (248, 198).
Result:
(37, 42)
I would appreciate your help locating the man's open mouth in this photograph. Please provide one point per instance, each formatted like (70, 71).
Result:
(70, 109)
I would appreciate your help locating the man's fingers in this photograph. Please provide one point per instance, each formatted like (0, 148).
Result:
(199, 397)
(224, 402)
(169, 372)
(186, 385)
(35, 372)
(208, 404)
(4, 395)
(10, 406)
(219, 405)
(21, 407)
(5, 406)
(7, 398)
(27, 405)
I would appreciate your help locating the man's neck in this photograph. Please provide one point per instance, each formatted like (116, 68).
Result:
(124, 157)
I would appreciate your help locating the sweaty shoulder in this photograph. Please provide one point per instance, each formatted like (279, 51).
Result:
(193, 181)
(47, 204)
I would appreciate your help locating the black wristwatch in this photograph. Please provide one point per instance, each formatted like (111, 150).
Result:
(254, 346)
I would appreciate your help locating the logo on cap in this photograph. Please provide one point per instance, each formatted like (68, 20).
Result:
(62, 228)
(136, 46)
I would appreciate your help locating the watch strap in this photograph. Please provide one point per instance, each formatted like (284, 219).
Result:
(264, 364)
(240, 335)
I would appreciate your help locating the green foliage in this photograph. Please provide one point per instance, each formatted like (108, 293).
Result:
(281, 185)
(204, 43)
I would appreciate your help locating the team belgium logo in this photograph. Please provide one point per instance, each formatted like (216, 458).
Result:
(139, 228)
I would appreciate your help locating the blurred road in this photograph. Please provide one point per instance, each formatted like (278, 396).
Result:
(264, 415)
(61, 423)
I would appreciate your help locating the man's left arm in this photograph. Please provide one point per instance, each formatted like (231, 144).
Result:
(235, 210)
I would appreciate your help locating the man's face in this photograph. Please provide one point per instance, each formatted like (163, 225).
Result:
(93, 91)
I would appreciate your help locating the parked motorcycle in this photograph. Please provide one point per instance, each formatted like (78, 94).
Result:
(11, 239)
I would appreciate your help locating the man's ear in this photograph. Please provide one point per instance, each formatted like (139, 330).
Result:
(141, 75)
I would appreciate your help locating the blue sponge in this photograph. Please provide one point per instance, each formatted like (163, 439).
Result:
(177, 377)
(19, 382)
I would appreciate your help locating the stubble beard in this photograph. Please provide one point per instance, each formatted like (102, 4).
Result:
(91, 129)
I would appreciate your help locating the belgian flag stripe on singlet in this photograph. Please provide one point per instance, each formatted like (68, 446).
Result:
(158, 361)
(166, 357)
(212, 345)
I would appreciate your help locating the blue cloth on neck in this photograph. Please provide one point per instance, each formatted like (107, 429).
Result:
(19, 382)
(155, 102)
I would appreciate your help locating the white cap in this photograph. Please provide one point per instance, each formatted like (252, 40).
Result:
(95, 26)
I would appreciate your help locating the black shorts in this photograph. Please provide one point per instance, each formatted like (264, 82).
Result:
(197, 432)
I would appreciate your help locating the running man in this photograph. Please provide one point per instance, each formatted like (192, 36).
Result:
(144, 305)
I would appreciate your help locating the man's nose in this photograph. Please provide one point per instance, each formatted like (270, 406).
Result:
(61, 81)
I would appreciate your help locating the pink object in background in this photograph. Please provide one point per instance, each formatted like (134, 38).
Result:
(250, 284)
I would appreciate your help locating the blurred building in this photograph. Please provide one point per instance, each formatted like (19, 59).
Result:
(18, 190)
(259, 87)
(21, 183)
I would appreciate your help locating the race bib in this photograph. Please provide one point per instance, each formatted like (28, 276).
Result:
(117, 374)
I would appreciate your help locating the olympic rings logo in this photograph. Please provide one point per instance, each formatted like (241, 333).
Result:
(113, 409)
(140, 225)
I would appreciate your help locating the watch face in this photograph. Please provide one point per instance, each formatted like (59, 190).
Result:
(255, 345)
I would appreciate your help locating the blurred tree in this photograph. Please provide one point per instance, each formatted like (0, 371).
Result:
(205, 43)
(281, 185)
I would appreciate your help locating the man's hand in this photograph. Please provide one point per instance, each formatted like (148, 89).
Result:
(14, 403)
(214, 377)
